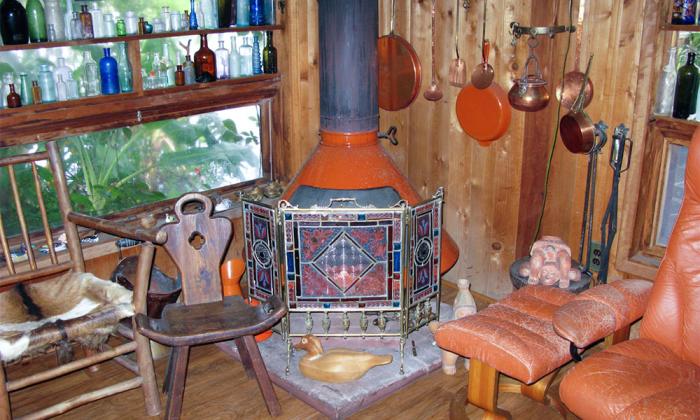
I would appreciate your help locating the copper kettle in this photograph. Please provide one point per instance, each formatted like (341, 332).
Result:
(529, 93)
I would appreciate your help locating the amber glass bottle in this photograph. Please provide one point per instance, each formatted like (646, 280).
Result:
(179, 76)
(36, 92)
(86, 22)
(204, 62)
(13, 99)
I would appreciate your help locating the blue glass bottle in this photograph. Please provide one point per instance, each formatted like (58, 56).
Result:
(47, 84)
(257, 62)
(242, 12)
(193, 17)
(109, 74)
(257, 13)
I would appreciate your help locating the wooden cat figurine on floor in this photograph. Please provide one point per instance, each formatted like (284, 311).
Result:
(336, 365)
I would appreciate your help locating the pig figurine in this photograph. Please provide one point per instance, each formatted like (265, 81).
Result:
(550, 263)
(463, 305)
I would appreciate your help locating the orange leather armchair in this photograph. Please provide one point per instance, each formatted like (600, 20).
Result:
(656, 376)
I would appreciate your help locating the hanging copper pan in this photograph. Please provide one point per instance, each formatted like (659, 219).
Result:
(484, 114)
(576, 128)
(574, 79)
(399, 70)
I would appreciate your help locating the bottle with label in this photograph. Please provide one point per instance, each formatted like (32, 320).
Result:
(37, 21)
(109, 74)
(126, 75)
(13, 99)
(234, 61)
(55, 16)
(683, 12)
(257, 62)
(242, 13)
(13, 23)
(257, 13)
(97, 20)
(47, 84)
(25, 89)
(222, 61)
(91, 75)
(269, 55)
(666, 87)
(204, 62)
(36, 92)
(686, 89)
(246, 52)
(188, 69)
(86, 22)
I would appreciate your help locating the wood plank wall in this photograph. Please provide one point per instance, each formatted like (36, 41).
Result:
(483, 185)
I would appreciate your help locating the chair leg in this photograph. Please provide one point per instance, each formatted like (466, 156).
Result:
(144, 359)
(169, 372)
(268, 392)
(245, 357)
(176, 386)
(623, 334)
(483, 390)
(538, 390)
(89, 351)
(5, 413)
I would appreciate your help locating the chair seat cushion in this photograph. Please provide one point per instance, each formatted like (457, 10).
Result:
(515, 335)
(74, 307)
(636, 379)
(211, 322)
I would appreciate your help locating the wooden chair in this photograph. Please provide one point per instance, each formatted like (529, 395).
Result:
(73, 308)
(198, 243)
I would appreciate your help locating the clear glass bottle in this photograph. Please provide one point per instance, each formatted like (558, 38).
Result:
(62, 69)
(234, 61)
(73, 89)
(222, 61)
(47, 84)
(210, 11)
(91, 75)
(201, 19)
(54, 16)
(67, 17)
(155, 70)
(242, 12)
(25, 89)
(132, 23)
(51, 33)
(86, 22)
(61, 89)
(269, 55)
(97, 20)
(246, 52)
(165, 17)
(666, 87)
(7, 80)
(37, 21)
(126, 75)
(257, 62)
(76, 27)
(188, 68)
(167, 66)
(108, 26)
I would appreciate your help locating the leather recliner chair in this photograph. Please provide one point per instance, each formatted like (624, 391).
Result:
(656, 376)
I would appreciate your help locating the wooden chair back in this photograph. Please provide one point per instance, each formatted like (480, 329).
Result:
(35, 267)
(197, 243)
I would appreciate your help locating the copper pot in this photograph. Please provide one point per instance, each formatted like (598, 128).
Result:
(577, 132)
(529, 93)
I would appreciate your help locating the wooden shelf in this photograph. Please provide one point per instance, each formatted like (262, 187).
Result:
(680, 28)
(127, 38)
(670, 121)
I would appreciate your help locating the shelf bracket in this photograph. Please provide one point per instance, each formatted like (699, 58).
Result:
(534, 31)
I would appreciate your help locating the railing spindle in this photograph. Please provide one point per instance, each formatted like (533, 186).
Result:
(6, 248)
(44, 216)
(22, 220)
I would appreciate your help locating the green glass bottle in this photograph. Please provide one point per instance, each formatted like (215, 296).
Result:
(269, 55)
(37, 21)
(687, 82)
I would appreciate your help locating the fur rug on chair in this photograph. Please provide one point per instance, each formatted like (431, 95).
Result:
(30, 312)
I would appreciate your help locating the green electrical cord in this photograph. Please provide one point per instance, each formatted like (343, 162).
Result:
(556, 130)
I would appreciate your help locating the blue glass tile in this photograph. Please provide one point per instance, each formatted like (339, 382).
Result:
(290, 262)
(361, 217)
(435, 288)
(397, 260)
(396, 304)
(290, 276)
(436, 232)
(397, 246)
(287, 216)
(326, 305)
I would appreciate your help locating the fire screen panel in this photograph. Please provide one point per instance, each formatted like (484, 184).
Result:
(343, 258)
(259, 225)
(424, 251)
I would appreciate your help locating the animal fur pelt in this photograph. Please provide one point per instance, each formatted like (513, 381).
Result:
(27, 308)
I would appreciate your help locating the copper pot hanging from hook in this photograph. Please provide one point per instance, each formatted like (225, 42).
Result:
(576, 127)
(574, 80)
(529, 93)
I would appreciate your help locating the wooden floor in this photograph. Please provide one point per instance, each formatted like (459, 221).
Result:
(217, 388)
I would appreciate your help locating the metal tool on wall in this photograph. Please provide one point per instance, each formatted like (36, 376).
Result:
(433, 93)
(608, 227)
(589, 200)
(458, 68)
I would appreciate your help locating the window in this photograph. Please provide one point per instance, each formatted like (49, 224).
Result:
(672, 191)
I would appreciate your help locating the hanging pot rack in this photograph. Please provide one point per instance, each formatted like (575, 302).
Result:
(533, 31)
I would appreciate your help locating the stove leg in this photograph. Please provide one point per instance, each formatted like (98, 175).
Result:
(402, 345)
(289, 355)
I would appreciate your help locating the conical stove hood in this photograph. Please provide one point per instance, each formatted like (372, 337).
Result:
(349, 162)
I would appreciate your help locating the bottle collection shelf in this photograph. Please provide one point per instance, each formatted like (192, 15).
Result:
(127, 38)
(675, 121)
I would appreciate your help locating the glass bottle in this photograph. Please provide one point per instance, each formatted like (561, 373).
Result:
(210, 12)
(222, 58)
(76, 27)
(158, 26)
(109, 74)
(108, 27)
(193, 17)
(54, 16)
(686, 89)
(126, 75)
(13, 23)
(62, 69)
(188, 68)
(185, 25)
(234, 61)
(142, 25)
(246, 52)
(257, 13)
(165, 17)
(156, 71)
(201, 19)
(7, 80)
(97, 20)
(67, 17)
(242, 12)
(131, 22)
(666, 87)
(91, 75)
(61, 89)
(175, 21)
(269, 55)
(73, 90)
(37, 21)
(683, 12)
(47, 84)
(25, 89)
(51, 33)
(36, 92)
(227, 13)
(204, 62)
(13, 99)
(121, 27)
(257, 63)
(179, 76)
(86, 22)
(270, 18)
(167, 67)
